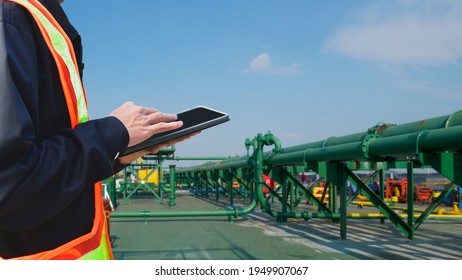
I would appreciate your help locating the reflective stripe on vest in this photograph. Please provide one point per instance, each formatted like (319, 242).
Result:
(95, 244)
(63, 52)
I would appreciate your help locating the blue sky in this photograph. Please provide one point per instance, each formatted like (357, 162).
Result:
(304, 70)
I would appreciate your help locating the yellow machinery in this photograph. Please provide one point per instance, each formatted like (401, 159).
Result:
(154, 178)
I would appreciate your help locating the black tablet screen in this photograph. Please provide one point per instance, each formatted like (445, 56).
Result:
(194, 120)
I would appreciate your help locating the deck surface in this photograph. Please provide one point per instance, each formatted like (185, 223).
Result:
(257, 236)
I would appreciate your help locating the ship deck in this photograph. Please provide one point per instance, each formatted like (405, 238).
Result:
(258, 236)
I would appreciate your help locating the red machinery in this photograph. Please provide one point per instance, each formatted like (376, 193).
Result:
(269, 182)
(423, 194)
(399, 188)
(396, 188)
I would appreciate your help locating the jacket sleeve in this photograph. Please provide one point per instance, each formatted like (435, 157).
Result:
(40, 177)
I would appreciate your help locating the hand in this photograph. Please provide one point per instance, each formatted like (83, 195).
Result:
(142, 122)
(153, 150)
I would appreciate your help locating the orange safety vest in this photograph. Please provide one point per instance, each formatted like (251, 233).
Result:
(95, 244)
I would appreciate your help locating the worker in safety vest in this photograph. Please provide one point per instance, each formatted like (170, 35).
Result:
(51, 156)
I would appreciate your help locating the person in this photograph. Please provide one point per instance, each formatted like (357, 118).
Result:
(51, 157)
(375, 187)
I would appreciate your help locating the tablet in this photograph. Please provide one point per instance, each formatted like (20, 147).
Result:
(195, 119)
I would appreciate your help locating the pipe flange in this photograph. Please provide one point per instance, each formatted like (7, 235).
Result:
(365, 144)
(373, 133)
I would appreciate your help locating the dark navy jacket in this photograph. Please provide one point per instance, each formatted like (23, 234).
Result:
(47, 169)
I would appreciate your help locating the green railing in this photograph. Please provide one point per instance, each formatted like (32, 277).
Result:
(432, 143)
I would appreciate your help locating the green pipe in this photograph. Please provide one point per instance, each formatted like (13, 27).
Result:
(391, 147)
(159, 214)
(385, 130)
(310, 215)
(333, 141)
(163, 187)
(383, 142)
(397, 141)
(172, 186)
(230, 213)
(438, 140)
(337, 153)
(239, 163)
(211, 213)
(454, 119)
(285, 158)
(269, 140)
(382, 189)
(390, 142)
(410, 197)
(441, 139)
(306, 215)
(236, 213)
(381, 216)
(397, 147)
(201, 158)
(258, 144)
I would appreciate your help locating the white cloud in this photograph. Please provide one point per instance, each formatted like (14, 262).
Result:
(416, 33)
(263, 64)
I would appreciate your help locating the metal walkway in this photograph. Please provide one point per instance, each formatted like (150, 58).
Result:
(257, 236)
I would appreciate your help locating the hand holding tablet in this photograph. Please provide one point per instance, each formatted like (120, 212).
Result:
(194, 120)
